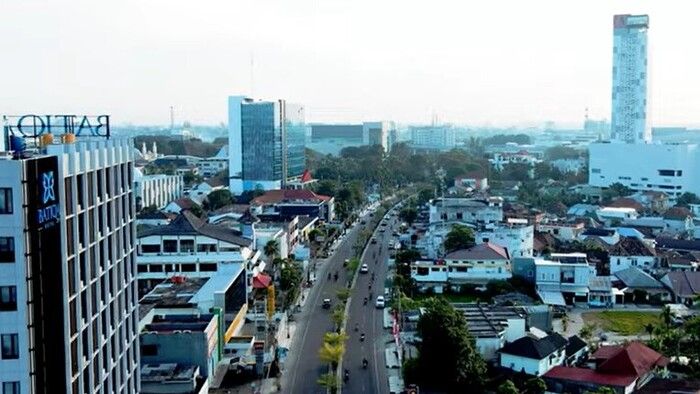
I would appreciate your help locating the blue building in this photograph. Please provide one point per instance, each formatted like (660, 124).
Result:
(266, 143)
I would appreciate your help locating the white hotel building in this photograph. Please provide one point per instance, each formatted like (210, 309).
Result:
(68, 315)
(157, 189)
(630, 157)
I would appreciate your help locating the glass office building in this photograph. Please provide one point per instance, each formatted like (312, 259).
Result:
(266, 143)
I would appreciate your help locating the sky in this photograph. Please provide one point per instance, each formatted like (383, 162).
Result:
(482, 63)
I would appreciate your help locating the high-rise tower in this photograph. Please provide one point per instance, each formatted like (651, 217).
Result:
(629, 90)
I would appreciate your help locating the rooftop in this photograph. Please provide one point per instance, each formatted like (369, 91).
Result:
(483, 251)
(535, 348)
(288, 195)
(630, 246)
(175, 323)
(158, 373)
(635, 278)
(176, 292)
(188, 223)
(484, 321)
(685, 283)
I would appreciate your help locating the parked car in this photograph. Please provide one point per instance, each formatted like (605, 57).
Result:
(380, 302)
(326, 303)
(374, 241)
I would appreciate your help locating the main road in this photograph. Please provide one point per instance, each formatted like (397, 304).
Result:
(369, 319)
(303, 366)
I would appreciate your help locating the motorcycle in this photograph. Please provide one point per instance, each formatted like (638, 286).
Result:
(362, 337)
(329, 276)
(357, 327)
(346, 376)
(364, 363)
(365, 303)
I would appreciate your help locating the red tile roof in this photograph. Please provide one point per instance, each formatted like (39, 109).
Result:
(306, 176)
(277, 196)
(626, 202)
(482, 251)
(589, 375)
(635, 359)
(677, 213)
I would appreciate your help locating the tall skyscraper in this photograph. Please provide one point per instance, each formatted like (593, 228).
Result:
(629, 91)
(266, 143)
(68, 309)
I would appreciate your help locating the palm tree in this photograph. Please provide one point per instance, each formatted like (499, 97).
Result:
(649, 328)
(328, 381)
(565, 320)
(331, 354)
(667, 316)
(271, 248)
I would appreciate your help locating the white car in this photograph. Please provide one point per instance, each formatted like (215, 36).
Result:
(380, 302)
(364, 269)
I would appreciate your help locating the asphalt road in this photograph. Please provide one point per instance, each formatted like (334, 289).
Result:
(303, 366)
(369, 319)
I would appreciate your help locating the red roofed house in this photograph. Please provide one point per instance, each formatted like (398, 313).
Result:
(477, 265)
(622, 368)
(285, 204)
(474, 180)
(302, 182)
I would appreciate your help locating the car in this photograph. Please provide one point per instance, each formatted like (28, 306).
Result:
(380, 302)
(364, 269)
(381, 230)
(326, 303)
(363, 222)
(374, 241)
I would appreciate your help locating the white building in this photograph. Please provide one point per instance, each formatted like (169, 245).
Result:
(70, 321)
(629, 94)
(156, 190)
(631, 252)
(211, 166)
(565, 276)
(534, 356)
(517, 239)
(433, 137)
(466, 211)
(493, 326)
(562, 231)
(378, 133)
(189, 247)
(608, 215)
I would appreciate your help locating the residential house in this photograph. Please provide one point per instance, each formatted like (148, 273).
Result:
(288, 203)
(517, 238)
(611, 215)
(684, 285)
(582, 210)
(677, 260)
(468, 211)
(172, 378)
(534, 356)
(180, 205)
(564, 278)
(493, 326)
(679, 220)
(601, 292)
(608, 235)
(635, 283)
(200, 191)
(648, 225)
(544, 243)
(631, 252)
(153, 218)
(626, 202)
(562, 231)
(652, 200)
(576, 350)
(474, 180)
(476, 265)
(621, 368)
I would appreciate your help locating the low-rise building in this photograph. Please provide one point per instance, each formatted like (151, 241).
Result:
(564, 232)
(564, 278)
(608, 235)
(684, 285)
(601, 293)
(476, 265)
(534, 356)
(288, 203)
(518, 239)
(172, 378)
(179, 205)
(472, 181)
(635, 283)
(610, 215)
(631, 252)
(493, 326)
(624, 369)
(468, 211)
(156, 190)
(192, 248)
(679, 220)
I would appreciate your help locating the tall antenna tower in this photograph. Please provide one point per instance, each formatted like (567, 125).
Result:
(172, 117)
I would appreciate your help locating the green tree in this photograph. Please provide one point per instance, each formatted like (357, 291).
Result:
(447, 358)
(616, 190)
(290, 275)
(219, 198)
(409, 215)
(562, 152)
(197, 210)
(587, 331)
(328, 381)
(191, 178)
(602, 390)
(271, 248)
(507, 387)
(535, 386)
(565, 320)
(425, 195)
(687, 198)
(460, 237)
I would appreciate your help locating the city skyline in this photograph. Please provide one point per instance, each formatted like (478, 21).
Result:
(140, 59)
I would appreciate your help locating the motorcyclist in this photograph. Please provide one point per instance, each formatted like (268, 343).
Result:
(357, 326)
(362, 337)
(365, 303)
(346, 375)
(364, 363)
(329, 276)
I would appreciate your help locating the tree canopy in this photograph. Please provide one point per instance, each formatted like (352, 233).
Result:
(447, 358)
(460, 237)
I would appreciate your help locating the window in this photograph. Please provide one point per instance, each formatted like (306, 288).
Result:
(149, 350)
(187, 245)
(10, 347)
(5, 200)
(10, 388)
(170, 246)
(7, 250)
(150, 248)
(8, 298)
(667, 172)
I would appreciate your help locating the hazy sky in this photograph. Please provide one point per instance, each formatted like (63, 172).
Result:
(476, 62)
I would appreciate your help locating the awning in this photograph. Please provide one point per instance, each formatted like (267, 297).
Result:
(552, 297)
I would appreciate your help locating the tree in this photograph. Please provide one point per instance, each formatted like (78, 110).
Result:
(460, 237)
(565, 320)
(535, 386)
(587, 331)
(507, 387)
(602, 390)
(649, 328)
(425, 195)
(328, 381)
(562, 152)
(687, 198)
(447, 358)
(190, 177)
(616, 190)
(409, 215)
(271, 248)
(197, 210)
(331, 353)
(290, 275)
(219, 198)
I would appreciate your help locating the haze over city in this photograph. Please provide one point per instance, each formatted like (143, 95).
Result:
(481, 63)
